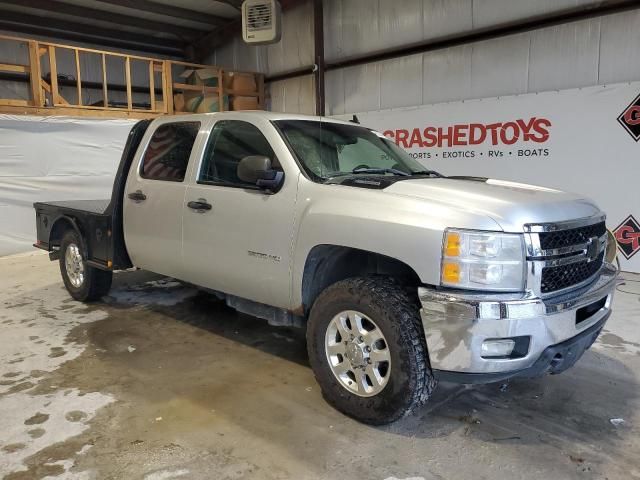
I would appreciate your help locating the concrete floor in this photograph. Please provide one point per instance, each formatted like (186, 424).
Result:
(162, 382)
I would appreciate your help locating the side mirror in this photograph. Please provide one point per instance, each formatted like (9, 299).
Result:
(257, 169)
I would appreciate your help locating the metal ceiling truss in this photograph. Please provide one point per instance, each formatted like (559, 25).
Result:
(52, 6)
(169, 11)
(40, 23)
(82, 32)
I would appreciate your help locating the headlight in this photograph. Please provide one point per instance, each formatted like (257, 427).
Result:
(483, 260)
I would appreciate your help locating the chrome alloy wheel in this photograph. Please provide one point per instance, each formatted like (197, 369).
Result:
(358, 353)
(73, 264)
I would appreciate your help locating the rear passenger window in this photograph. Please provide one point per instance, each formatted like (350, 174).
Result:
(167, 154)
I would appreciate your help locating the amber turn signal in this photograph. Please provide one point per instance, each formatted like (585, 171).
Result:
(451, 272)
(452, 246)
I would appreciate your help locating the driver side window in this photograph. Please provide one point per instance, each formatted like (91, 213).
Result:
(230, 141)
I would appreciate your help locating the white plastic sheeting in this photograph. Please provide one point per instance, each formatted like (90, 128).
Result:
(52, 158)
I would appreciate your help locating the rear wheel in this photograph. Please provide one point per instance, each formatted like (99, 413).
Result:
(83, 282)
(367, 349)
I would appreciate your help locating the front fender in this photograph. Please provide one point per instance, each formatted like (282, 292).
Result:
(404, 228)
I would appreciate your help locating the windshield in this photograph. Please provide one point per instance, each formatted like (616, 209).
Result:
(334, 149)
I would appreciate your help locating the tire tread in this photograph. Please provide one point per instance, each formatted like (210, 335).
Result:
(401, 302)
(97, 282)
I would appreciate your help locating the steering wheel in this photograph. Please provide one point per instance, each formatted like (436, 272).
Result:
(362, 165)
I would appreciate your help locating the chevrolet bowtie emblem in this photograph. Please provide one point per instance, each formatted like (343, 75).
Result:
(593, 249)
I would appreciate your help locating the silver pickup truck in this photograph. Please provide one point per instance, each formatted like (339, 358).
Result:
(401, 275)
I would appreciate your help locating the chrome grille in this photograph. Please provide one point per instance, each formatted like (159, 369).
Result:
(564, 256)
(564, 276)
(572, 236)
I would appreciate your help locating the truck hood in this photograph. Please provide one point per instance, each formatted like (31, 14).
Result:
(511, 205)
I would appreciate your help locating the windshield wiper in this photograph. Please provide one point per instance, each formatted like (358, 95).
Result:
(431, 173)
(394, 171)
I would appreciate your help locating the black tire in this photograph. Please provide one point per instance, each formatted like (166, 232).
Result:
(395, 310)
(96, 283)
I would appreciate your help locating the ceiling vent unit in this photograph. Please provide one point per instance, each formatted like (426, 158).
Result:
(261, 21)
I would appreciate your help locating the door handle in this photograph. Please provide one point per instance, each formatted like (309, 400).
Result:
(137, 196)
(200, 206)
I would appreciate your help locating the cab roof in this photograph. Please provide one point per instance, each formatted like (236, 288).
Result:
(257, 114)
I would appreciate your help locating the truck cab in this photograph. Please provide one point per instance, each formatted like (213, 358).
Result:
(401, 275)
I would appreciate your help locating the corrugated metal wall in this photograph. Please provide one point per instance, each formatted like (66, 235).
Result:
(295, 50)
(591, 52)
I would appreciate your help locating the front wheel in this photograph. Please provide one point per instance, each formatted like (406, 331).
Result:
(367, 349)
(83, 282)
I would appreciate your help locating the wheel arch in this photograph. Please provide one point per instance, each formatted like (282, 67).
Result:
(327, 264)
(60, 226)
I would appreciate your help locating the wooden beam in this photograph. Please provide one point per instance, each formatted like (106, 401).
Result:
(152, 87)
(6, 67)
(105, 96)
(53, 68)
(167, 87)
(127, 72)
(195, 88)
(47, 88)
(44, 44)
(35, 75)
(33, 24)
(78, 79)
(84, 111)
(53, 6)
(15, 103)
(169, 11)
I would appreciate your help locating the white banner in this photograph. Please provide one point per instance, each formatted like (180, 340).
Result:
(582, 140)
(52, 158)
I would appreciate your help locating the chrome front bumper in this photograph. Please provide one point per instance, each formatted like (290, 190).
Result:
(456, 323)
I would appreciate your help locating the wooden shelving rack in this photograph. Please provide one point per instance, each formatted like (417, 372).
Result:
(159, 87)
